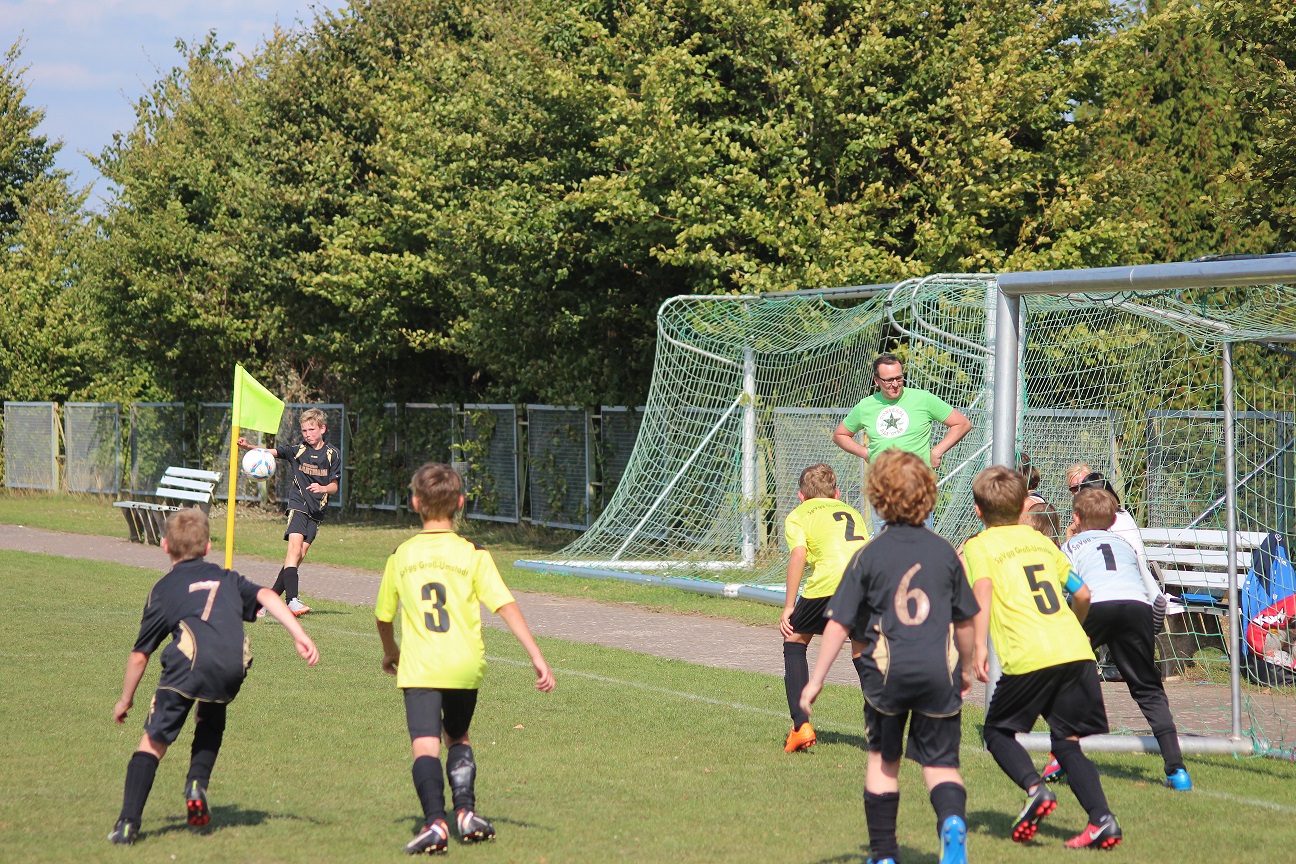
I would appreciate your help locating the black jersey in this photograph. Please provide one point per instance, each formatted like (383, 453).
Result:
(898, 597)
(322, 466)
(203, 607)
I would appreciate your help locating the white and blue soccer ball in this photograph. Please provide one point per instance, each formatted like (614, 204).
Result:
(259, 464)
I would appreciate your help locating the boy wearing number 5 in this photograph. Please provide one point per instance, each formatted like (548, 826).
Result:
(438, 580)
(1019, 578)
(825, 533)
(908, 610)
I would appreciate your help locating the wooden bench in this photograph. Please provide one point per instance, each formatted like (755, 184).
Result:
(1192, 564)
(189, 487)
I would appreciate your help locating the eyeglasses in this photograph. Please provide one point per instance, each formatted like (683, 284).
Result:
(896, 380)
(1076, 488)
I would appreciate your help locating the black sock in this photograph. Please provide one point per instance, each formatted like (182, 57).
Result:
(880, 812)
(796, 674)
(1083, 777)
(948, 799)
(430, 786)
(209, 732)
(463, 777)
(140, 771)
(1011, 757)
(290, 582)
(278, 586)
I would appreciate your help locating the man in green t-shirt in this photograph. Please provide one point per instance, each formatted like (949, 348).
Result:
(897, 416)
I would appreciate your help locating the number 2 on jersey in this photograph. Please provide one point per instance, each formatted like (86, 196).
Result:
(850, 525)
(437, 620)
(1046, 599)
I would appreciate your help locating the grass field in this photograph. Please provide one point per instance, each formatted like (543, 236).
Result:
(363, 542)
(632, 758)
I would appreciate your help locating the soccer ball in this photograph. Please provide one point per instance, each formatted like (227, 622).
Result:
(259, 464)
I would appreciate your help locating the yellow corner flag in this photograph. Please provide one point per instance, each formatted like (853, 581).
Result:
(255, 407)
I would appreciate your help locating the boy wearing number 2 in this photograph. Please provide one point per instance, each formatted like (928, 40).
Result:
(1019, 578)
(825, 533)
(438, 580)
(908, 610)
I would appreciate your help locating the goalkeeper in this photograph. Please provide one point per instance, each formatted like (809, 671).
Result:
(1122, 618)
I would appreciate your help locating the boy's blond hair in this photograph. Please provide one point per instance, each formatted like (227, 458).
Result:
(1095, 508)
(818, 481)
(187, 534)
(1000, 493)
(437, 487)
(313, 415)
(901, 487)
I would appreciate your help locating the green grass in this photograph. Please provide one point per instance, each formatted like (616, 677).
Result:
(631, 758)
(363, 542)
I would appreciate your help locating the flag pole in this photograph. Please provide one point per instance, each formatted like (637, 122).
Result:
(232, 487)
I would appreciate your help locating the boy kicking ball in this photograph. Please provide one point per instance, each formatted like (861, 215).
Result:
(203, 607)
(907, 608)
(438, 580)
(1019, 576)
(823, 532)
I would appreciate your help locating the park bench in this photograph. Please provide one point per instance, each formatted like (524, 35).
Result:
(1192, 567)
(179, 487)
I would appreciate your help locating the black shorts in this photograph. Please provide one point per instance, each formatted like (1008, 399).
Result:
(429, 709)
(808, 615)
(300, 523)
(169, 710)
(933, 741)
(1067, 696)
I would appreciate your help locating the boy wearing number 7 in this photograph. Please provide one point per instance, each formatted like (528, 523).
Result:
(825, 533)
(1019, 578)
(908, 610)
(438, 580)
(202, 607)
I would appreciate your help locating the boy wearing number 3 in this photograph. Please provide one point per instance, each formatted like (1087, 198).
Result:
(908, 610)
(1019, 578)
(438, 580)
(825, 533)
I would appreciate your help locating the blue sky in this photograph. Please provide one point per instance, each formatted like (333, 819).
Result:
(89, 60)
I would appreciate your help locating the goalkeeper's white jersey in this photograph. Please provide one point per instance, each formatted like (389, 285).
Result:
(1108, 565)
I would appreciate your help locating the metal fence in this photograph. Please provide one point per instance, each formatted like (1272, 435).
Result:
(92, 447)
(31, 445)
(552, 465)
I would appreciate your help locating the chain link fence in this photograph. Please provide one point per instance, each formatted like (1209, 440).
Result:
(31, 445)
(554, 466)
(92, 447)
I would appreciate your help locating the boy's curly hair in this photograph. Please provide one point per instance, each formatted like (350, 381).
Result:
(901, 487)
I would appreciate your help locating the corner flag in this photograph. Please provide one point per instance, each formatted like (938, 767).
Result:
(255, 407)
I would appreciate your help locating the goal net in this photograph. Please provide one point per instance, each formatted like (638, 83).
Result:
(746, 392)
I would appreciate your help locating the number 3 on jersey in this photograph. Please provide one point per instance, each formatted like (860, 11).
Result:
(1046, 599)
(436, 620)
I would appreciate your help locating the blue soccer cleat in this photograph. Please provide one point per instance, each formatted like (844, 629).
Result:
(1178, 781)
(953, 837)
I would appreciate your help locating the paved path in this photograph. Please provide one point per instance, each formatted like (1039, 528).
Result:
(713, 642)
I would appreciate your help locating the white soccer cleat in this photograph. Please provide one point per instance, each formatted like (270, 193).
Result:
(297, 607)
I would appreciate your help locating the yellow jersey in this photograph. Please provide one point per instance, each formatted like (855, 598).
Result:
(832, 532)
(438, 579)
(1031, 625)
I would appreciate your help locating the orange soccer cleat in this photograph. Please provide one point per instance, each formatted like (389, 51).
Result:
(800, 739)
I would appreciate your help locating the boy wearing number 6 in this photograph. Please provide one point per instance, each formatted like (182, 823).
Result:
(908, 610)
(825, 533)
(1019, 578)
(438, 580)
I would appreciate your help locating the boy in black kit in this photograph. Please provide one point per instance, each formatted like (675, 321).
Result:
(203, 607)
(316, 469)
(897, 601)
